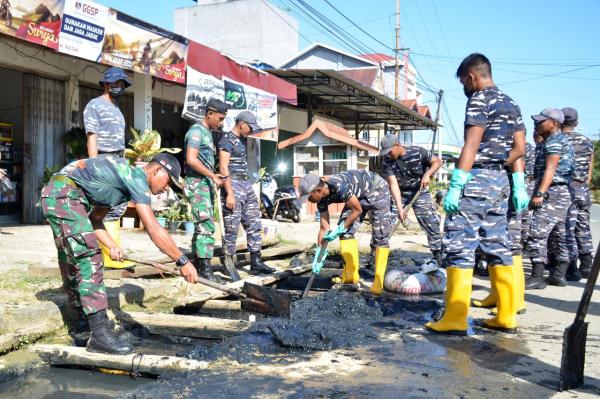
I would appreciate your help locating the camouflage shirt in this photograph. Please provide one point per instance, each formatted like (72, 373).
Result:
(104, 118)
(556, 144)
(200, 138)
(109, 181)
(344, 185)
(500, 117)
(409, 168)
(583, 149)
(238, 148)
(530, 151)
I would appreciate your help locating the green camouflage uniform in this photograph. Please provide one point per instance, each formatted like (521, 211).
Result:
(66, 202)
(199, 191)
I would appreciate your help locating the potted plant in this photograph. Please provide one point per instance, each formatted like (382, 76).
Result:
(187, 217)
(172, 216)
(144, 146)
(160, 218)
(75, 141)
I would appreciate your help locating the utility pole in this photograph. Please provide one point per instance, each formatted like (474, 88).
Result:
(397, 50)
(436, 130)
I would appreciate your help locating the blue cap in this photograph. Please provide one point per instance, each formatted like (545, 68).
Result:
(113, 75)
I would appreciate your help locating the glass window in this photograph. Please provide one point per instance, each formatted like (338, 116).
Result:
(335, 159)
(362, 161)
(308, 167)
(307, 159)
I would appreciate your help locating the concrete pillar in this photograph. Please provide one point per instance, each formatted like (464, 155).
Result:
(142, 101)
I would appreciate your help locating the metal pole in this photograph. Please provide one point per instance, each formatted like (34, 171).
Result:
(437, 117)
(397, 50)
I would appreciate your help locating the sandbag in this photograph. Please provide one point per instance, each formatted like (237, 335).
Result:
(430, 280)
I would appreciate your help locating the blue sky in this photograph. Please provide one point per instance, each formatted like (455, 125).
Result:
(525, 40)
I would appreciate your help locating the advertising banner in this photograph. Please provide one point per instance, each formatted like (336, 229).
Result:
(37, 21)
(82, 30)
(134, 44)
(200, 88)
(241, 97)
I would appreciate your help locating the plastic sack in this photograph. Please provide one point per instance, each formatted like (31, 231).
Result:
(430, 280)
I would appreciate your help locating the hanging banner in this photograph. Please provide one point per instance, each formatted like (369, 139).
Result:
(241, 97)
(37, 21)
(199, 89)
(82, 29)
(134, 44)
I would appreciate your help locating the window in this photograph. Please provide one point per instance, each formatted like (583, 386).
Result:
(335, 159)
(307, 159)
(362, 160)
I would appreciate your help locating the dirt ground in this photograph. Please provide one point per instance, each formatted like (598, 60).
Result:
(402, 359)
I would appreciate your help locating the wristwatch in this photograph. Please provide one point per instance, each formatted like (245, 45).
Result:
(539, 193)
(182, 261)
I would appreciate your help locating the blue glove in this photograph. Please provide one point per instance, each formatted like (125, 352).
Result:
(318, 265)
(333, 234)
(457, 183)
(519, 196)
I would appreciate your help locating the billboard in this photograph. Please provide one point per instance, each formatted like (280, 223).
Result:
(37, 21)
(82, 29)
(199, 89)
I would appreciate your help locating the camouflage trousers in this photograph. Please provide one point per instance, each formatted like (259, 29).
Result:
(115, 212)
(481, 221)
(427, 216)
(200, 195)
(550, 221)
(526, 215)
(579, 235)
(66, 208)
(246, 212)
(377, 204)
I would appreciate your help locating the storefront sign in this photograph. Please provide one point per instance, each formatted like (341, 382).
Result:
(82, 30)
(134, 44)
(200, 88)
(33, 20)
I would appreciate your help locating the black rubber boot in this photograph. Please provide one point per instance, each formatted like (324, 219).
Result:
(572, 272)
(102, 337)
(205, 270)
(258, 266)
(585, 265)
(536, 280)
(557, 276)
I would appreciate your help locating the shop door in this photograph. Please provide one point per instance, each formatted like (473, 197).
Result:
(44, 128)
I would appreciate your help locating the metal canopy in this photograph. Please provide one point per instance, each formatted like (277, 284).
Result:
(331, 93)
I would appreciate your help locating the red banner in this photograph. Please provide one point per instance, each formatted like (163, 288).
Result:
(36, 21)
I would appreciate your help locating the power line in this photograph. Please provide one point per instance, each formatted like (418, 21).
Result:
(284, 20)
(550, 75)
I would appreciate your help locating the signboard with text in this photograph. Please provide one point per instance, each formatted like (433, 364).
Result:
(82, 30)
(37, 21)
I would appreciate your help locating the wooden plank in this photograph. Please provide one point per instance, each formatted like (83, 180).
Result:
(64, 355)
(185, 326)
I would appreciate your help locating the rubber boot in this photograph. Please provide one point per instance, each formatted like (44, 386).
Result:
(113, 230)
(503, 283)
(585, 265)
(258, 266)
(102, 338)
(349, 251)
(205, 270)
(519, 279)
(557, 276)
(488, 302)
(458, 294)
(573, 273)
(381, 258)
(536, 281)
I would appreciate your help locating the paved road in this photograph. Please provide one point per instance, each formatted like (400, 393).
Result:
(595, 224)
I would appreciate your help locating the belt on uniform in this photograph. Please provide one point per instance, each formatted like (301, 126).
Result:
(490, 166)
(118, 152)
(558, 184)
(238, 177)
(580, 181)
(65, 179)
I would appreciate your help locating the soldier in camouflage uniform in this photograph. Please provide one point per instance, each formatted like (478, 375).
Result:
(201, 182)
(551, 200)
(362, 192)
(239, 202)
(579, 236)
(477, 200)
(74, 202)
(530, 153)
(408, 170)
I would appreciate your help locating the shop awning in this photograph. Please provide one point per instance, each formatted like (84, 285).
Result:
(210, 61)
(333, 132)
(337, 94)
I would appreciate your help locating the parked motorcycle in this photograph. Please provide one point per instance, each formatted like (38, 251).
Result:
(277, 201)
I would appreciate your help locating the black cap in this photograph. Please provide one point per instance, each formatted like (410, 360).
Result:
(249, 118)
(570, 114)
(216, 105)
(172, 166)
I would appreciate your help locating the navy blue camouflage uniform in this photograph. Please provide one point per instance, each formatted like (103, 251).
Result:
(530, 153)
(246, 210)
(409, 170)
(482, 218)
(552, 215)
(372, 192)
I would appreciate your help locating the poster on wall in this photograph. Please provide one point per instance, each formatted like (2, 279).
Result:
(134, 44)
(199, 89)
(37, 21)
(241, 97)
(82, 29)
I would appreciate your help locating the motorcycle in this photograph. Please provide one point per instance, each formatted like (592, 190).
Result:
(278, 201)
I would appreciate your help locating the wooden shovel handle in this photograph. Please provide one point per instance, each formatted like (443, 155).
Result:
(586, 297)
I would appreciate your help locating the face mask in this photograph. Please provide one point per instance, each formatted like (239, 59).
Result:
(116, 91)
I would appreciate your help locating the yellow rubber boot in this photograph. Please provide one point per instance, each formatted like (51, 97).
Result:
(458, 295)
(503, 280)
(381, 258)
(519, 285)
(487, 302)
(113, 230)
(349, 250)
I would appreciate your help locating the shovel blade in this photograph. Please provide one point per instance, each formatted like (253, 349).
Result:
(230, 266)
(573, 356)
(266, 300)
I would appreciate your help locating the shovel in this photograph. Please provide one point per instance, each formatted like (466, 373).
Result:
(313, 275)
(254, 298)
(229, 265)
(575, 336)
(406, 209)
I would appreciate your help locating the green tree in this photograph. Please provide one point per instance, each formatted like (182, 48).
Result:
(595, 185)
